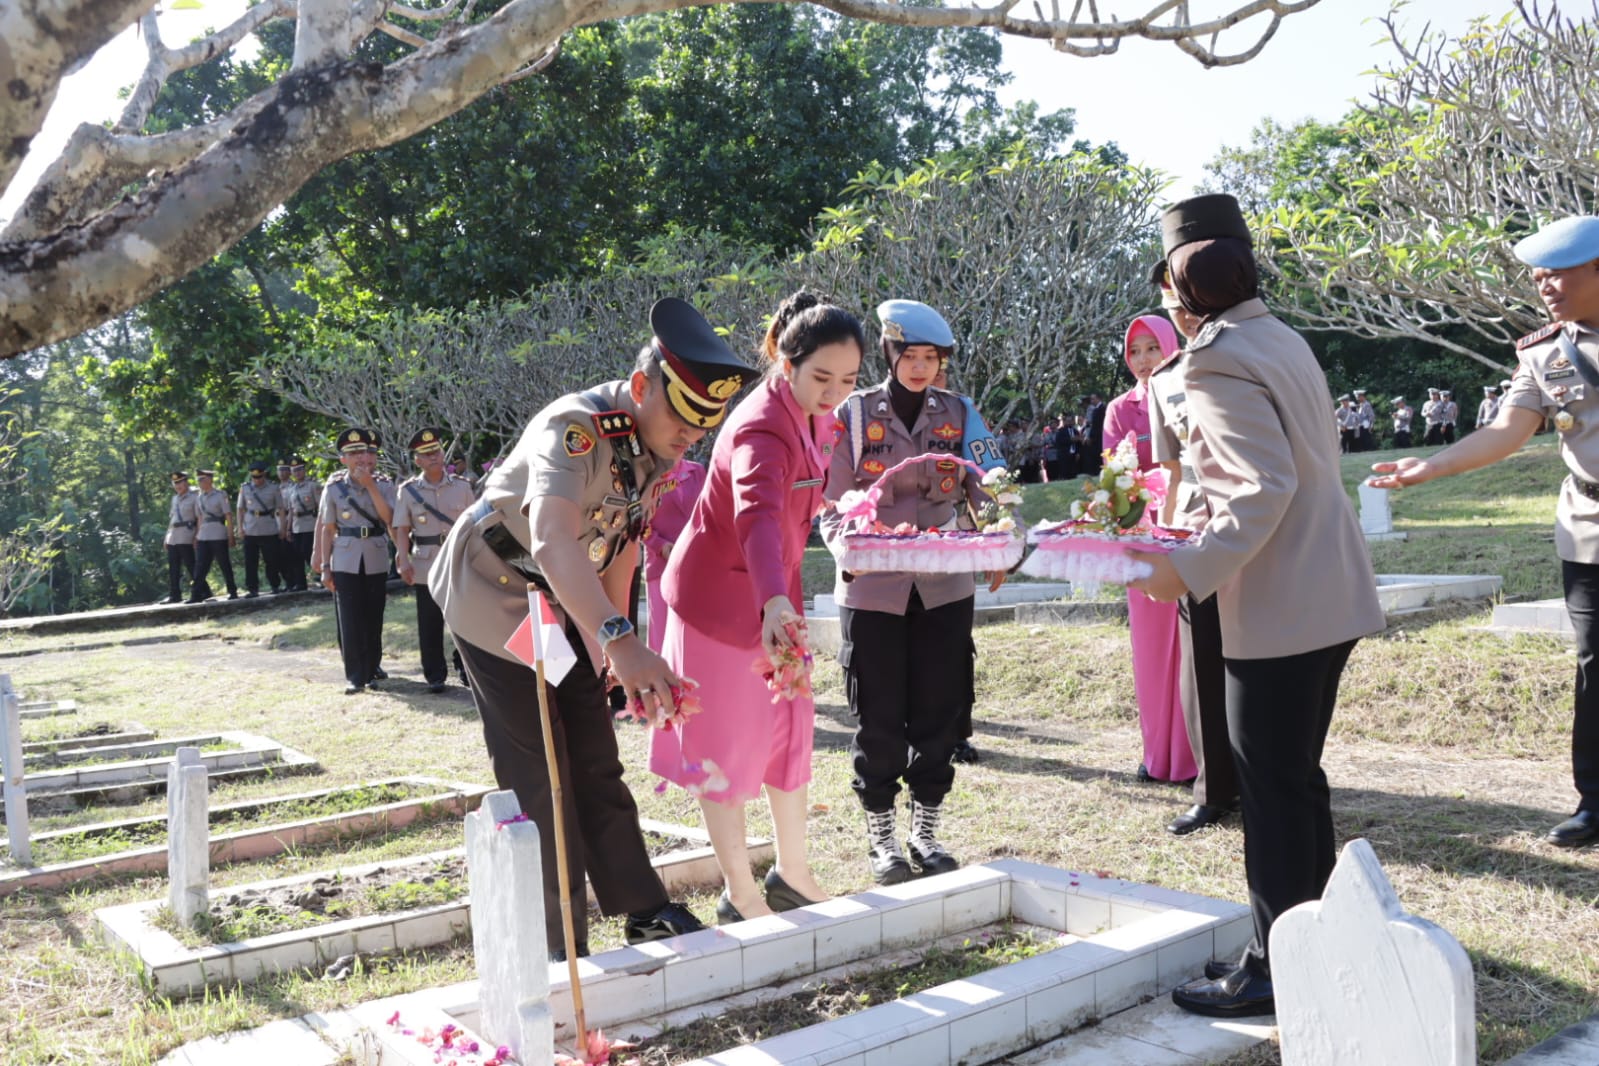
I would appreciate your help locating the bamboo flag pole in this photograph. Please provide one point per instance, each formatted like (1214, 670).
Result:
(568, 931)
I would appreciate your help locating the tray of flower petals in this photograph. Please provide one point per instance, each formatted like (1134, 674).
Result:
(1086, 556)
(929, 551)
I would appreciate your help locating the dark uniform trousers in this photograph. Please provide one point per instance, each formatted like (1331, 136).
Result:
(430, 635)
(1401, 438)
(600, 815)
(1204, 691)
(1435, 434)
(262, 550)
(910, 681)
(359, 600)
(205, 551)
(180, 568)
(1278, 713)
(298, 552)
(1582, 603)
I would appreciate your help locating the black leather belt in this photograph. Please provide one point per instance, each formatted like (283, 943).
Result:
(1587, 488)
(263, 514)
(427, 542)
(503, 543)
(218, 521)
(183, 525)
(359, 531)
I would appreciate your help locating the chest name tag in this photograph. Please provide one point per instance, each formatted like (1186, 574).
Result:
(808, 483)
(1556, 375)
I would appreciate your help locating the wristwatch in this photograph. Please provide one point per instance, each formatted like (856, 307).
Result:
(614, 628)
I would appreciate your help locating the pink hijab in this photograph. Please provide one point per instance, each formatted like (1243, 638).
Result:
(1164, 332)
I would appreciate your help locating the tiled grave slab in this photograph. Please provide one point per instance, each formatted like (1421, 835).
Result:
(174, 969)
(46, 708)
(1408, 592)
(126, 733)
(250, 844)
(250, 752)
(1534, 616)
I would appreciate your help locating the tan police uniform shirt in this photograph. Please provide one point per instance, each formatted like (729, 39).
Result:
(302, 499)
(213, 508)
(451, 496)
(1168, 432)
(1546, 380)
(353, 553)
(560, 453)
(260, 508)
(1283, 550)
(927, 494)
(183, 518)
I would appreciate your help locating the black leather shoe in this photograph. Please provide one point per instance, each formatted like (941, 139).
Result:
(173, 599)
(674, 919)
(780, 895)
(380, 674)
(726, 913)
(1237, 995)
(1197, 817)
(1216, 969)
(233, 595)
(559, 954)
(249, 595)
(964, 752)
(436, 689)
(1143, 773)
(1580, 829)
(353, 690)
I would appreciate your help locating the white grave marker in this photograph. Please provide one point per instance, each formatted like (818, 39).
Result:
(513, 968)
(1376, 516)
(1359, 982)
(15, 789)
(188, 835)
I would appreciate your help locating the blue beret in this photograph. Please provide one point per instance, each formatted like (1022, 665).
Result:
(911, 322)
(1559, 245)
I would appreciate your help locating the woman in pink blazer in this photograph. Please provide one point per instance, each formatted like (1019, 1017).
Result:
(681, 489)
(731, 584)
(1157, 657)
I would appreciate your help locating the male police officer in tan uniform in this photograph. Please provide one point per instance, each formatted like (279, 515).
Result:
(302, 498)
(1559, 378)
(213, 539)
(425, 508)
(355, 516)
(566, 511)
(183, 519)
(260, 508)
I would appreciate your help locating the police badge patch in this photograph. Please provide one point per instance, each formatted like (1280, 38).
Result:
(576, 441)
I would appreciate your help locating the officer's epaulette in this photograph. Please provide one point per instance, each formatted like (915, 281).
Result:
(1538, 335)
(611, 424)
(1168, 362)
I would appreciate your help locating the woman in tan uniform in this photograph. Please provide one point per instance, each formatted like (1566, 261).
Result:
(1282, 535)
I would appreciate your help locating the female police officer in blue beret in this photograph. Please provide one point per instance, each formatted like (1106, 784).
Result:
(906, 643)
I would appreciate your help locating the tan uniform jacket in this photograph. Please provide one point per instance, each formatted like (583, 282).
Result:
(923, 494)
(1283, 550)
(260, 508)
(302, 499)
(183, 518)
(560, 453)
(351, 550)
(213, 508)
(450, 497)
(1169, 443)
(1545, 381)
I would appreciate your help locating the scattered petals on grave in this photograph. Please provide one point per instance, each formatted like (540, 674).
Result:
(453, 1046)
(598, 1052)
(511, 821)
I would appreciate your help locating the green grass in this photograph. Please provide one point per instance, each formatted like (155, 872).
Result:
(1450, 752)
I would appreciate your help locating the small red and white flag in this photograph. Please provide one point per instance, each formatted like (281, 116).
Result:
(542, 637)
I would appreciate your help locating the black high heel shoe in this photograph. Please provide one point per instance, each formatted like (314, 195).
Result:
(781, 896)
(726, 913)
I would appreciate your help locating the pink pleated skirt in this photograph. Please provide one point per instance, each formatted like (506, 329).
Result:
(740, 740)
(1157, 679)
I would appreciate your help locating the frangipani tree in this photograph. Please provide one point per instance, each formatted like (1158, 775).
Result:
(125, 212)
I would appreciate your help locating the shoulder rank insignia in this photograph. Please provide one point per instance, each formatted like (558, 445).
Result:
(613, 424)
(1538, 335)
(576, 441)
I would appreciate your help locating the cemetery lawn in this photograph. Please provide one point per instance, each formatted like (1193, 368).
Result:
(1450, 752)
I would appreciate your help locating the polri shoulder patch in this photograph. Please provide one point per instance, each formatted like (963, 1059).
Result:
(1538, 335)
(1207, 334)
(576, 441)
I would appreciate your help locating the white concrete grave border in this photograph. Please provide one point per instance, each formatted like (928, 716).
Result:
(1137, 941)
(252, 753)
(173, 969)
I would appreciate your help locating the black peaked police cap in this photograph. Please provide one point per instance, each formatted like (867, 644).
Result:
(701, 372)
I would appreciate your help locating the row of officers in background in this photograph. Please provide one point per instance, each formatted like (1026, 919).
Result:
(1357, 419)
(346, 532)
